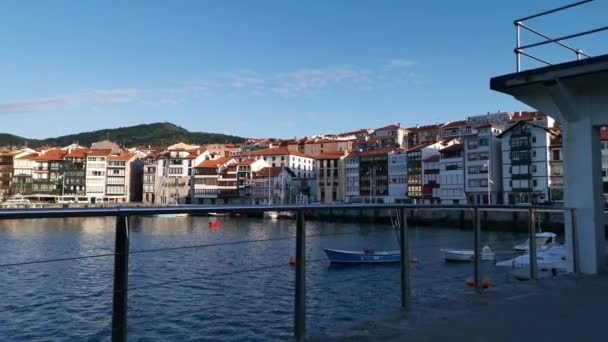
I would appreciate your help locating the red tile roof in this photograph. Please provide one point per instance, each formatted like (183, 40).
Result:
(32, 156)
(51, 155)
(330, 155)
(247, 162)
(123, 156)
(214, 163)
(77, 153)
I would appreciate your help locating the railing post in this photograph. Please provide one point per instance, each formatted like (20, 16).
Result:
(532, 247)
(575, 258)
(518, 43)
(477, 247)
(405, 260)
(300, 293)
(121, 272)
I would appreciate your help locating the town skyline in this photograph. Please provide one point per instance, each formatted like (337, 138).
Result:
(234, 68)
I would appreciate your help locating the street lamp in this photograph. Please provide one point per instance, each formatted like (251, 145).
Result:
(487, 166)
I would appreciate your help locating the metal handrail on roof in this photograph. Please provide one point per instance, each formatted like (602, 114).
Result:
(519, 24)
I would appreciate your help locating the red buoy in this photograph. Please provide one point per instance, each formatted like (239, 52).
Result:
(214, 224)
(485, 282)
(292, 260)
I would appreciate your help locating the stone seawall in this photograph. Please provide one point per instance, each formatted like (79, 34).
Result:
(496, 220)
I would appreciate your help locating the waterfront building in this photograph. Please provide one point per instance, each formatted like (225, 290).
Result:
(273, 185)
(74, 172)
(331, 177)
(415, 156)
(320, 146)
(210, 181)
(245, 171)
(525, 155)
(483, 165)
(392, 136)
(124, 178)
(22, 183)
(301, 164)
(373, 176)
(604, 152)
(152, 175)
(451, 175)
(397, 176)
(351, 165)
(177, 171)
(7, 161)
(556, 168)
(430, 179)
(95, 181)
(47, 175)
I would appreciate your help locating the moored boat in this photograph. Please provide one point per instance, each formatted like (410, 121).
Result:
(466, 254)
(553, 257)
(364, 256)
(271, 214)
(218, 214)
(171, 215)
(543, 241)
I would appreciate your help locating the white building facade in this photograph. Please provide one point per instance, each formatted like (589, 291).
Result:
(397, 176)
(526, 167)
(451, 175)
(483, 165)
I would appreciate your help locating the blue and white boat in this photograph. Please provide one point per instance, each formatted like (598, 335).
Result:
(367, 256)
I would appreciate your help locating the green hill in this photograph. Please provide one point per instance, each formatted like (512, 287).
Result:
(161, 133)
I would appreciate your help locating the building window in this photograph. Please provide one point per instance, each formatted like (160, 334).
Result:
(533, 139)
(534, 168)
(556, 155)
(535, 183)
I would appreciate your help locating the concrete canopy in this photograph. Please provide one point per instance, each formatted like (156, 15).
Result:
(575, 94)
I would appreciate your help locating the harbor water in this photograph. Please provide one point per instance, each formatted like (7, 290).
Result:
(232, 290)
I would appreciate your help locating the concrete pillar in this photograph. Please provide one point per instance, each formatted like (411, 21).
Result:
(583, 191)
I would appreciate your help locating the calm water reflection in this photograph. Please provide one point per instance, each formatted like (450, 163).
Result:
(208, 293)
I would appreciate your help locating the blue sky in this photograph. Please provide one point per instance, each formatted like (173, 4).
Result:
(262, 68)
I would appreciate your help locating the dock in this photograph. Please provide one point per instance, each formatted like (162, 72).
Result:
(567, 308)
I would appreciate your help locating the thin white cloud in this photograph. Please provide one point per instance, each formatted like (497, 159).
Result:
(36, 104)
(400, 63)
(43, 104)
(115, 95)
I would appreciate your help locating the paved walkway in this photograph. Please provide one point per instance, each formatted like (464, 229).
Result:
(565, 308)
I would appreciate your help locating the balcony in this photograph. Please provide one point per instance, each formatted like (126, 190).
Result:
(521, 161)
(521, 176)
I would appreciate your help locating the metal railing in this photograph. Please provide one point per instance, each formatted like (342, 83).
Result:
(520, 49)
(122, 251)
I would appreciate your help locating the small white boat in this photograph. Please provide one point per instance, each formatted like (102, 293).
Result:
(171, 215)
(466, 254)
(271, 214)
(543, 241)
(219, 214)
(553, 257)
(286, 214)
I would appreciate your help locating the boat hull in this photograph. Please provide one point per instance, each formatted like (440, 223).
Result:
(361, 257)
(464, 255)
